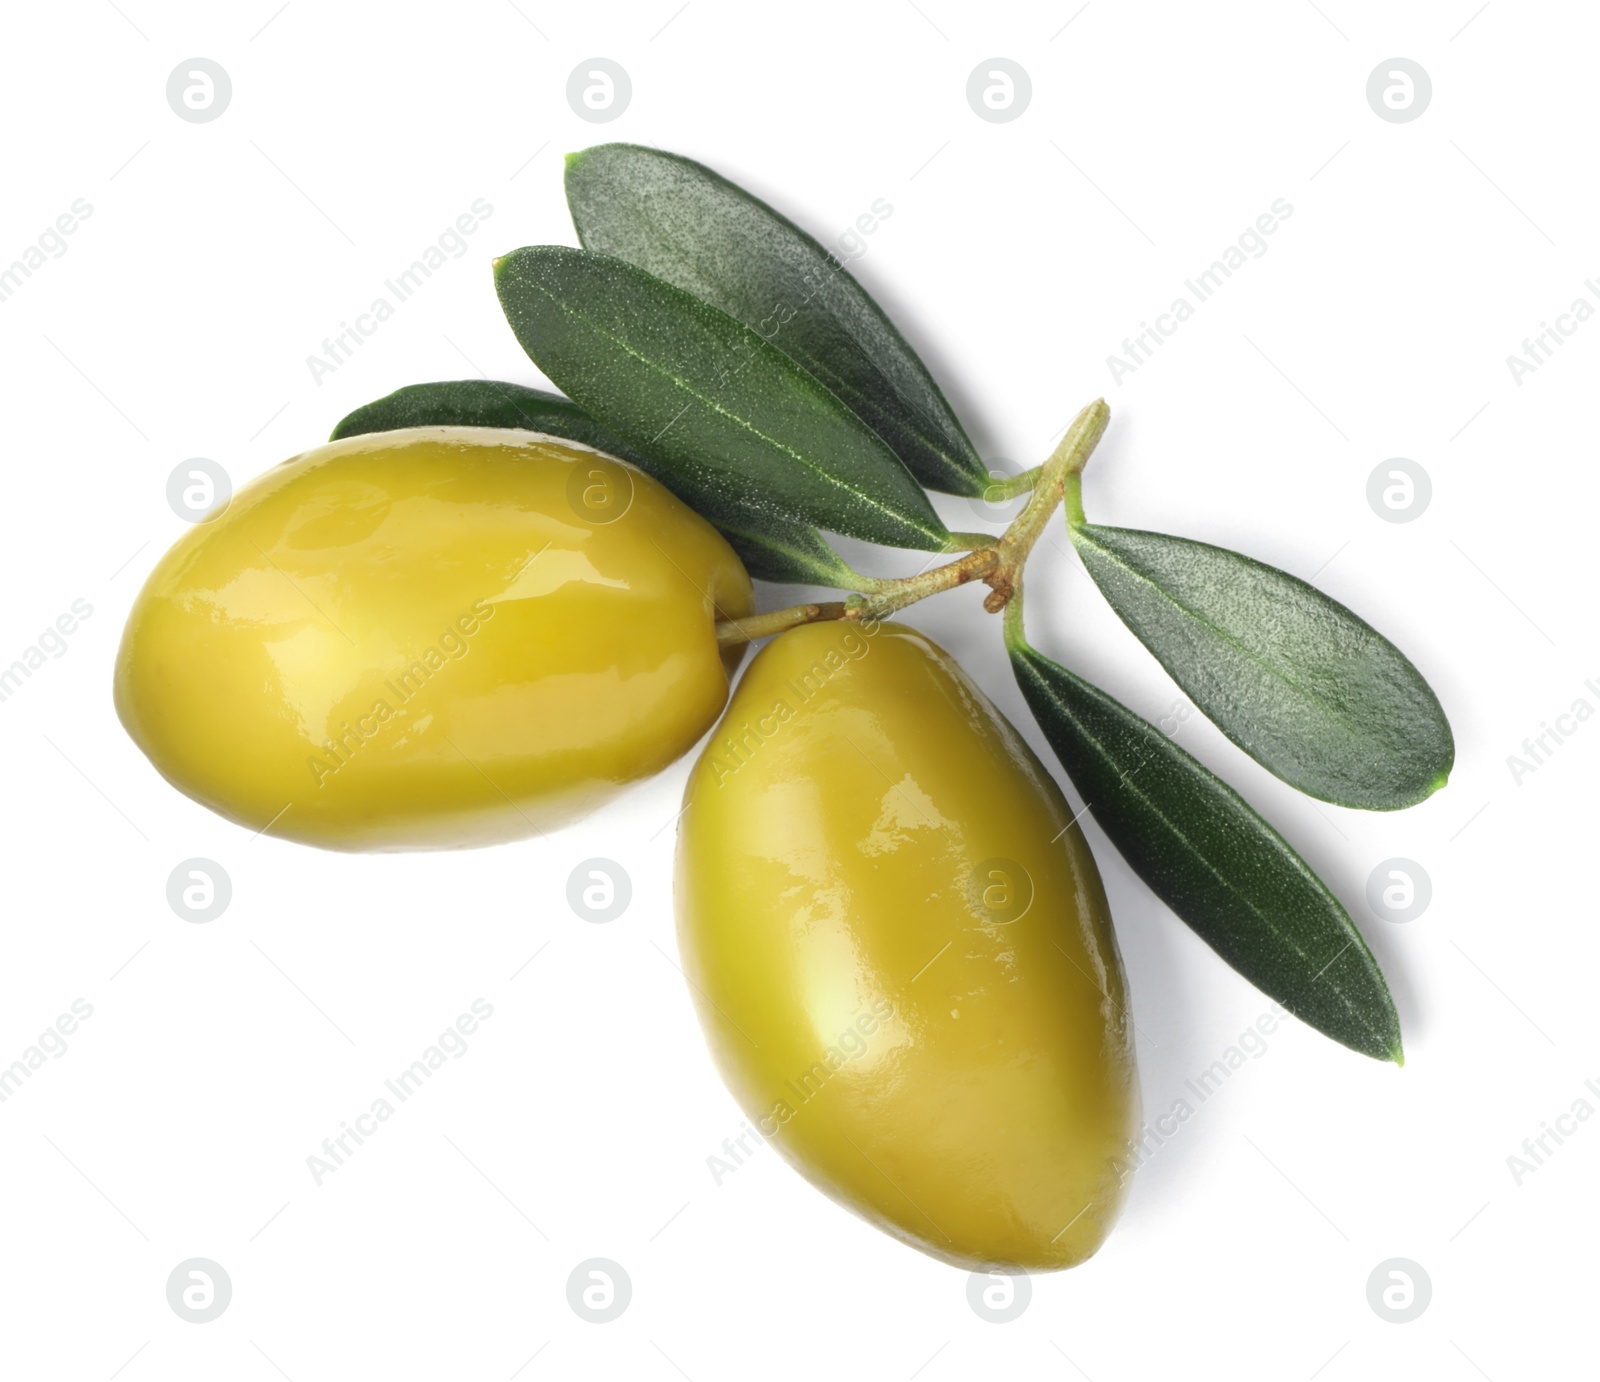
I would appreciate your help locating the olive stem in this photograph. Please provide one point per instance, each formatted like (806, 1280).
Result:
(969, 542)
(1011, 621)
(732, 632)
(999, 491)
(974, 566)
(892, 595)
(998, 564)
(1066, 464)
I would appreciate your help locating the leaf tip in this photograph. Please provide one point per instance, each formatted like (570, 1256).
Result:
(1441, 781)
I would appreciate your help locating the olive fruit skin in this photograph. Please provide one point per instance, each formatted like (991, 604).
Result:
(900, 950)
(430, 638)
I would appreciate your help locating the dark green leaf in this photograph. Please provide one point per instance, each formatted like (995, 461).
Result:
(481, 403)
(1307, 689)
(771, 548)
(706, 397)
(1217, 864)
(787, 553)
(692, 227)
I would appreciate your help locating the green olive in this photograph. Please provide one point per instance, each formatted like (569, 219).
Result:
(900, 950)
(430, 638)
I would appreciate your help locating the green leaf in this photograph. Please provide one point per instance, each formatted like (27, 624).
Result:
(771, 548)
(1213, 860)
(706, 397)
(481, 403)
(1305, 687)
(787, 553)
(692, 227)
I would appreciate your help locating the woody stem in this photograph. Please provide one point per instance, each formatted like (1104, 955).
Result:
(999, 565)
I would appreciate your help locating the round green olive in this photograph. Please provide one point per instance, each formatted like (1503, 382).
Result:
(430, 638)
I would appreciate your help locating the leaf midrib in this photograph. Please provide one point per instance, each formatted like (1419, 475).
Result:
(732, 417)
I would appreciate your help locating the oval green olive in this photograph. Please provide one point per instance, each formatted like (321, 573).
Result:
(430, 638)
(900, 950)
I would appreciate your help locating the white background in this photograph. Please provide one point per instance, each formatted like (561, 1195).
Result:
(1018, 256)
